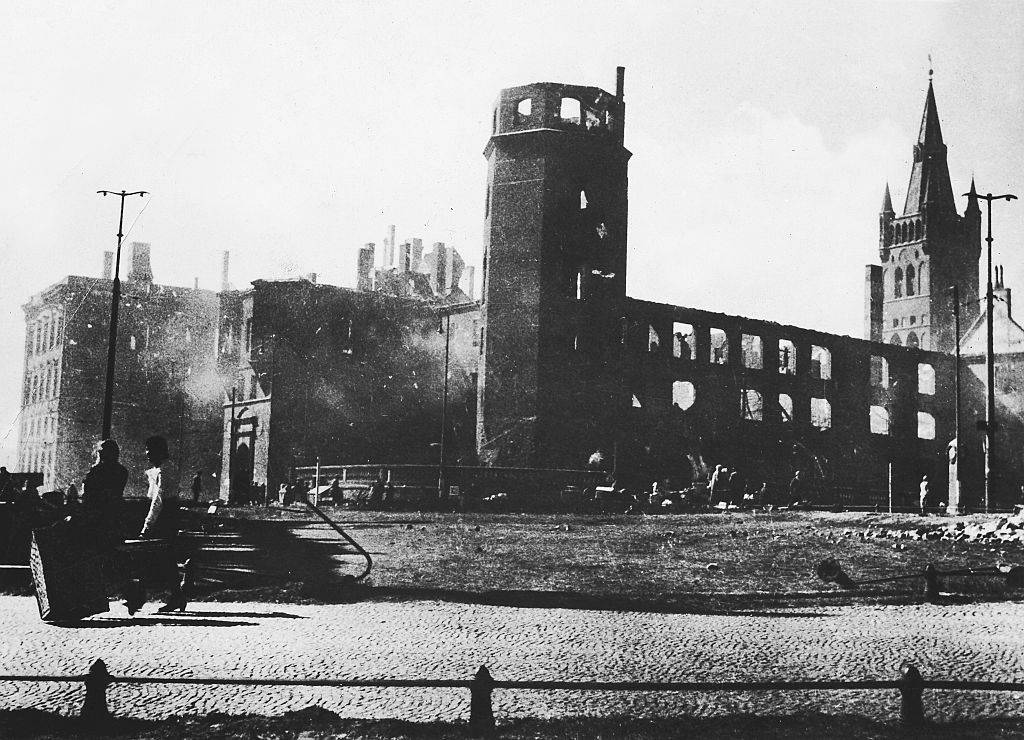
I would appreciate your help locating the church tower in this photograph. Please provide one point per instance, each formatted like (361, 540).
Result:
(924, 251)
(554, 278)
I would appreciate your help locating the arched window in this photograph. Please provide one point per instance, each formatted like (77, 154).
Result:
(879, 420)
(786, 407)
(925, 425)
(821, 362)
(570, 110)
(925, 379)
(912, 340)
(895, 339)
(911, 281)
(897, 286)
(821, 413)
(525, 107)
(751, 405)
(683, 394)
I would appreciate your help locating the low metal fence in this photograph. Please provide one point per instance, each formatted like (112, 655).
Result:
(910, 685)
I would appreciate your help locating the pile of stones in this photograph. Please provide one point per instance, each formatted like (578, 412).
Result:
(1005, 530)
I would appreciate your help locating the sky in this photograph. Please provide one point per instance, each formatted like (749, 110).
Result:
(290, 133)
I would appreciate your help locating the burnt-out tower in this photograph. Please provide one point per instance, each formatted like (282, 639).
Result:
(924, 251)
(554, 275)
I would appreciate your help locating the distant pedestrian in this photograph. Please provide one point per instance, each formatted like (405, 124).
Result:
(197, 486)
(715, 486)
(796, 490)
(736, 487)
(924, 495)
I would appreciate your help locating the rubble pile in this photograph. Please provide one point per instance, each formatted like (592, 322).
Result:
(1002, 531)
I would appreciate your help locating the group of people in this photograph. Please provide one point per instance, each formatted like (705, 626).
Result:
(95, 521)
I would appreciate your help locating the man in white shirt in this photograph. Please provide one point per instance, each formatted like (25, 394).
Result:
(161, 521)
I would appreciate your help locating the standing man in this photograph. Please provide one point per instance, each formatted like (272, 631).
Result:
(102, 495)
(924, 495)
(197, 486)
(162, 519)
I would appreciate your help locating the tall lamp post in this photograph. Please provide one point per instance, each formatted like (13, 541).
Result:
(990, 369)
(954, 496)
(115, 304)
(442, 483)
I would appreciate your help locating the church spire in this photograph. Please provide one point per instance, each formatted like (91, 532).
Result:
(929, 179)
(887, 202)
(972, 199)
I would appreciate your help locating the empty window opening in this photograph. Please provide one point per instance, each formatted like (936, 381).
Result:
(895, 339)
(525, 107)
(910, 280)
(653, 339)
(583, 200)
(925, 379)
(579, 285)
(576, 343)
(821, 413)
(787, 357)
(879, 420)
(636, 402)
(683, 394)
(925, 425)
(913, 320)
(131, 342)
(684, 343)
(570, 110)
(719, 347)
(786, 408)
(879, 371)
(751, 405)
(593, 120)
(602, 231)
(821, 362)
(912, 340)
(751, 350)
(897, 286)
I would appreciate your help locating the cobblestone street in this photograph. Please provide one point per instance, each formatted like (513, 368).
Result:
(439, 640)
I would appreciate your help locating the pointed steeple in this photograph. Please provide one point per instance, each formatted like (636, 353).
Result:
(930, 136)
(887, 202)
(929, 179)
(972, 200)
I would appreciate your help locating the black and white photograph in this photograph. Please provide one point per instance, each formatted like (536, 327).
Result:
(457, 369)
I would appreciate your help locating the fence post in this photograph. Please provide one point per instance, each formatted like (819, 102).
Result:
(481, 714)
(96, 681)
(911, 713)
(931, 583)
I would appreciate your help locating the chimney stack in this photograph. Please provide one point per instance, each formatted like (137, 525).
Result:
(108, 265)
(196, 283)
(404, 257)
(417, 254)
(141, 270)
(311, 277)
(225, 259)
(364, 268)
(470, 279)
(389, 248)
(438, 268)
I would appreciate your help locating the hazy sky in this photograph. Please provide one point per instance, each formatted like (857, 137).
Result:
(292, 132)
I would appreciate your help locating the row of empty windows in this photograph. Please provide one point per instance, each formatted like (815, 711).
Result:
(684, 346)
(906, 232)
(44, 382)
(910, 281)
(684, 396)
(39, 427)
(570, 111)
(925, 375)
(38, 460)
(913, 340)
(45, 333)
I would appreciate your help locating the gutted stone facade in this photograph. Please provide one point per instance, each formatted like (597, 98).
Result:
(165, 380)
(318, 371)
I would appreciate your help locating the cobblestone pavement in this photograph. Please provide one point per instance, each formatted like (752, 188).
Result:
(445, 640)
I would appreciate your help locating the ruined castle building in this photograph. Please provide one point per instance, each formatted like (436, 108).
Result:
(554, 274)
(923, 252)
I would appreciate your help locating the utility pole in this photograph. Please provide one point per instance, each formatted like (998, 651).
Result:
(442, 483)
(115, 305)
(955, 484)
(990, 368)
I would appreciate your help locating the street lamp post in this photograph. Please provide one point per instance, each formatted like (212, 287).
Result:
(990, 371)
(954, 496)
(115, 305)
(442, 483)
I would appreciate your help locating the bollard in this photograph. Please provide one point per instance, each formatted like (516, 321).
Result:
(481, 714)
(94, 710)
(931, 584)
(911, 713)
